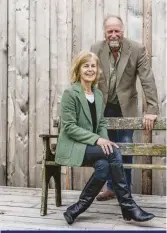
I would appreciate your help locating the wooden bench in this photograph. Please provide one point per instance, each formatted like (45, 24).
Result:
(51, 169)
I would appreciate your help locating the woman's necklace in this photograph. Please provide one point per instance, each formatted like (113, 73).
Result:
(88, 92)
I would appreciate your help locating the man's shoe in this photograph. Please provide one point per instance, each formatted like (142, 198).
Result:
(105, 196)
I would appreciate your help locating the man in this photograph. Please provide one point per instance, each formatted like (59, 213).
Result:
(122, 60)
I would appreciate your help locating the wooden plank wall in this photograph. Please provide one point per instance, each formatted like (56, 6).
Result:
(134, 26)
(3, 91)
(18, 77)
(159, 42)
(38, 40)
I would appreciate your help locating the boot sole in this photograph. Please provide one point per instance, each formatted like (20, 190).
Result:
(144, 220)
(68, 218)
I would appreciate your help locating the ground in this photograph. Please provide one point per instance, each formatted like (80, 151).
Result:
(20, 210)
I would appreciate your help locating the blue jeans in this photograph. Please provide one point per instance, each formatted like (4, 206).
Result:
(124, 136)
(95, 157)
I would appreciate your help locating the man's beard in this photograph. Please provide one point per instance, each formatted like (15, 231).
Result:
(114, 44)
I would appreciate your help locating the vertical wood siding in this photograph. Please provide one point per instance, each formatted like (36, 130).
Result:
(159, 42)
(11, 143)
(135, 32)
(3, 91)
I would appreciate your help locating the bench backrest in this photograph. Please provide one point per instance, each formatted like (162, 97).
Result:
(135, 123)
(127, 123)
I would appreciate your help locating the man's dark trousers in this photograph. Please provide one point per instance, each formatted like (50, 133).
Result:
(124, 136)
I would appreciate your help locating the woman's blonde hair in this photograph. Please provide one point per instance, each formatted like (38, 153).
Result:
(79, 60)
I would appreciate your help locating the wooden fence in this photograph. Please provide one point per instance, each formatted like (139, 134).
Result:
(38, 39)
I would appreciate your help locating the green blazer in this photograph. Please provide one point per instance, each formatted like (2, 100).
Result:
(76, 125)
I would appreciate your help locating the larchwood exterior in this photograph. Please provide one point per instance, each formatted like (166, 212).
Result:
(38, 39)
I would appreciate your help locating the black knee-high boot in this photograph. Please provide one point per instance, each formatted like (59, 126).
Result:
(90, 191)
(130, 210)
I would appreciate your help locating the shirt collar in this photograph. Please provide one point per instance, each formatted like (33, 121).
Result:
(119, 50)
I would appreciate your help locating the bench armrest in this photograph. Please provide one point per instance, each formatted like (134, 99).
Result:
(47, 153)
(48, 135)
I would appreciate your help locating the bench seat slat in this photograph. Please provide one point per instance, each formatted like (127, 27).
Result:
(146, 166)
(141, 166)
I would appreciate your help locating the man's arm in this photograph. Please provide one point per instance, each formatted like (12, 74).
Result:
(148, 84)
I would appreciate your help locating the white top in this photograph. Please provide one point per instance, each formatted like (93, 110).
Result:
(90, 98)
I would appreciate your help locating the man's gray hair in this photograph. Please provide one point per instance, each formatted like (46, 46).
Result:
(112, 16)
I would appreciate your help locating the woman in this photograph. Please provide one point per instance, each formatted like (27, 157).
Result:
(83, 140)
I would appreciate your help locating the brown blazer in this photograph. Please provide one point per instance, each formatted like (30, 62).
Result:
(133, 62)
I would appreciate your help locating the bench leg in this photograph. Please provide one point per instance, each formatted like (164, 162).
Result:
(45, 182)
(57, 179)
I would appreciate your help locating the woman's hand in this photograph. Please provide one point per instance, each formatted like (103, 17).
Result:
(106, 145)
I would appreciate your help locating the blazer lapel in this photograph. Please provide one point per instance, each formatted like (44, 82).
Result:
(98, 104)
(104, 58)
(83, 100)
(125, 53)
